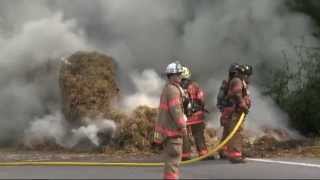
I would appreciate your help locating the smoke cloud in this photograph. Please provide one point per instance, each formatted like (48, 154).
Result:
(148, 86)
(41, 130)
(90, 131)
(28, 76)
(53, 129)
(205, 35)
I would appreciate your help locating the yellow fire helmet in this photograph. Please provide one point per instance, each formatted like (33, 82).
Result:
(186, 74)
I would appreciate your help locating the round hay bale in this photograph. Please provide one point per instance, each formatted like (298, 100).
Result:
(88, 87)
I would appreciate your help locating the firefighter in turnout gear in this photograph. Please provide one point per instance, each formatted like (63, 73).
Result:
(233, 99)
(171, 124)
(194, 110)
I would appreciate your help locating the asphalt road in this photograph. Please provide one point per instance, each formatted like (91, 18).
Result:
(211, 169)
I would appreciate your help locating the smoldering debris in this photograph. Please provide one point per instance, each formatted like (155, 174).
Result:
(91, 117)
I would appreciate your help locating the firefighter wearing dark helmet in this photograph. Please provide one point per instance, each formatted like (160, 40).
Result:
(233, 99)
(248, 70)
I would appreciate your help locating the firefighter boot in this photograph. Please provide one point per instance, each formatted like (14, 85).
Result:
(204, 152)
(186, 156)
(236, 157)
(223, 153)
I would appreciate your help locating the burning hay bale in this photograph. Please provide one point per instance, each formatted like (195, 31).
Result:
(135, 131)
(88, 86)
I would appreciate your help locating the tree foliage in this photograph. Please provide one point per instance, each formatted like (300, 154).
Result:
(297, 90)
(296, 87)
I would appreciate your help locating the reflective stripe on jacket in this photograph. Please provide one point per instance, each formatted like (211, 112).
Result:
(171, 118)
(237, 94)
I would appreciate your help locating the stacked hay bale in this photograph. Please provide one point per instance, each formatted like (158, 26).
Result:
(88, 86)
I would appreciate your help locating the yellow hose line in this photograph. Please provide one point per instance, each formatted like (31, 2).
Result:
(221, 144)
(211, 152)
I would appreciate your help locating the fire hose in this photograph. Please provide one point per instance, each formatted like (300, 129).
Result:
(129, 164)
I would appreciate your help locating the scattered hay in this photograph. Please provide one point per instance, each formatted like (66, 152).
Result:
(135, 131)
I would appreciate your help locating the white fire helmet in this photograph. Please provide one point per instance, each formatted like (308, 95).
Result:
(174, 68)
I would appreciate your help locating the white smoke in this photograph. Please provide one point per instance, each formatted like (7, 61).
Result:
(53, 129)
(29, 71)
(266, 114)
(143, 34)
(274, 117)
(148, 86)
(48, 128)
(250, 31)
(91, 130)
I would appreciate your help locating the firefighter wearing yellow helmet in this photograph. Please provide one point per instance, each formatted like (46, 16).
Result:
(194, 109)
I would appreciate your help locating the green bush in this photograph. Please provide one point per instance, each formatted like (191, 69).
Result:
(298, 91)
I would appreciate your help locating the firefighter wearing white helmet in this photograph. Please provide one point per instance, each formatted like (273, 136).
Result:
(171, 124)
(174, 68)
(194, 109)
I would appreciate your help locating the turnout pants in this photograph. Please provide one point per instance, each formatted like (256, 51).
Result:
(233, 149)
(172, 155)
(197, 131)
